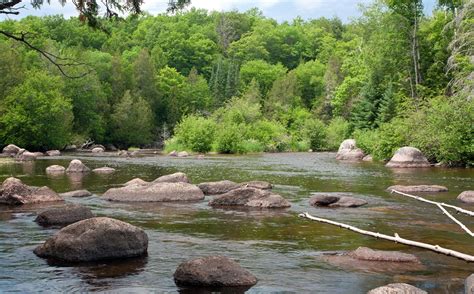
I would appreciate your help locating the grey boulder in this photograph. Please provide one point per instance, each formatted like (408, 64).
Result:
(348, 151)
(97, 238)
(136, 181)
(213, 271)
(53, 153)
(76, 166)
(217, 188)
(76, 193)
(250, 197)
(104, 170)
(397, 288)
(11, 150)
(408, 157)
(63, 215)
(257, 184)
(173, 178)
(364, 253)
(158, 192)
(418, 188)
(14, 192)
(55, 169)
(335, 200)
(466, 197)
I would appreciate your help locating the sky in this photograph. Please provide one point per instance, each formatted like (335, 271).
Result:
(280, 10)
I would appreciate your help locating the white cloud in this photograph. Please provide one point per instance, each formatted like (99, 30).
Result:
(306, 5)
(232, 4)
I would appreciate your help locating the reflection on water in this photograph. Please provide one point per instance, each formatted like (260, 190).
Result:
(282, 250)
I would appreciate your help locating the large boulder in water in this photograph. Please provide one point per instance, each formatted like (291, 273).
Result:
(158, 192)
(14, 192)
(64, 215)
(418, 188)
(76, 166)
(466, 197)
(55, 169)
(213, 271)
(408, 157)
(364, 253)
(335, 200)
(250, 197)
(397, 288)
(25, 155)
(93, 239)
(173, 178)
(217, 188)
(97, 150)
(348, 151)
(11, 150)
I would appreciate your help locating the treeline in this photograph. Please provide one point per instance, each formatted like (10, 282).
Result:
(237, 82)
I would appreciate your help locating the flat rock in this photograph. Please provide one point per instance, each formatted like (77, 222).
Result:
(364, 253)
(104, 170)
(76, 193)
(466, 197)
(14, 192)
(97, 238)
(397, 288)
(183, 154)
(217, 188)
(213, 271)
(11, 150)
(348, 151)
(173, 178)
(76, 166)
(408, 157)
(336, 200)
(64, 215)
(53, 153)
(257, 184)
(418, 188)
(136, 181)
(97, 150)
(158, 192)
(250, 197)
(55, 169)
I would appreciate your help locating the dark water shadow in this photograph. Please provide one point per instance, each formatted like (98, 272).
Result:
(209, 290)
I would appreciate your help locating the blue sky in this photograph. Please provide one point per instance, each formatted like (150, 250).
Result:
(279, 9)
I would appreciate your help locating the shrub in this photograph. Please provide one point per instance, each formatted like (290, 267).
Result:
(337, 131)
(229, 138)
(196, 133)
(271, 135)
(316, 132)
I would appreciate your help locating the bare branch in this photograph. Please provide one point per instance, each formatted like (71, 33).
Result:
(455, 220)
(65, 62)
(396, 238)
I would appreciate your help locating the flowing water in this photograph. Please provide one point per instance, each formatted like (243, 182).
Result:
(282, 250)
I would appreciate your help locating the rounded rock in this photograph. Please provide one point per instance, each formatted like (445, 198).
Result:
(64, 215)
(466, 197)
(217, 188)
(55, 169)
(76, 193)
(364, 253)
(158, 192)
(213, 271)
(76, 166)
(53, 153)
(406, 157)
(98, 238)
(397, 288)
(250, 197)
(173, 178)
(11, 150)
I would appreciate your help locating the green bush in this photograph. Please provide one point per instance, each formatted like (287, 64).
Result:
(317, 134)
(172, 144)
(271, 135)
(337, 131)
(229, 138)
(196, 133)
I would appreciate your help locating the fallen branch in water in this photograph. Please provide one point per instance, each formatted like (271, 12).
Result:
(459, 209)
(455, 220)
(396, 238)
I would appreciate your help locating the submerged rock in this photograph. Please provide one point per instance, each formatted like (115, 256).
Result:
(158, 192)
(55, 169)
(213, 271)
(397, 288)
(217, 188)
(76, 193)
(417, 188)
(14, 192)
(104, 170)
(11, 150)
(53, 153)
(466, 197)
(336, 200)
(408, 157)
(469, 285)
(348, 151)
(64, 215)
(364, 253)
(136, 181)
(76, 166)
(257, 184)
(250, 197)
(93, 239)
(173, 178)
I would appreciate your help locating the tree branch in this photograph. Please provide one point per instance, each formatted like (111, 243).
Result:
(455, 220)
(49, 56)
(396, 238)
(459, 209)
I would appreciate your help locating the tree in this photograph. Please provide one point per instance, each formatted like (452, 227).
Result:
(263, 72)
(35, 114)
(132, 121)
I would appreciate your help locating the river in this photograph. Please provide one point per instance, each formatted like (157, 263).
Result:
(282, 250)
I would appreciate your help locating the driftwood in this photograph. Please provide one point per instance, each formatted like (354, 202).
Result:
(455, 220)
(396, 238)
(459, 209)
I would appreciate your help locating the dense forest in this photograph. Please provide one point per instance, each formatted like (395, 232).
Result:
(237, 82)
